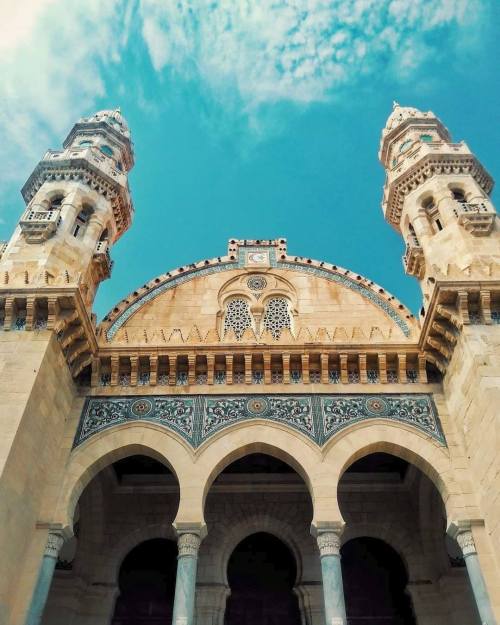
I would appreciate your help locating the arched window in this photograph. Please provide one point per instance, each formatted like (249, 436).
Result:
(277, 316)
(237, 317)
(105, 149)
(85, 144)
(426, 138)
(433, 212)
(81, 221)
(55, 202)
(458, 195)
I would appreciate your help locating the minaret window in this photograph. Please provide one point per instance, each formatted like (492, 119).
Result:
(85, 144)
(405, 145)
(433, 213)
(105, 149)
(458, 195)
(277, 316)
(81, 221)
(426, 138)
(55, 203)
(238, 317)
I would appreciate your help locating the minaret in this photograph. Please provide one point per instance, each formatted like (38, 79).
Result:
(78, 205)
(436, 195)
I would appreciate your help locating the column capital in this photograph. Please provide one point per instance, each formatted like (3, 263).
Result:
(188, 545)
(55, 541)
(466, 542)
(328, 543)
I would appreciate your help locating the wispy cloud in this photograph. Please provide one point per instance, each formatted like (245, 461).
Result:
(55, 55)
(296, 50)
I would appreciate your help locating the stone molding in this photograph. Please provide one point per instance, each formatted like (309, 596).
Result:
(189, 545)
(328, 543)
(196, 418)
(55, 541)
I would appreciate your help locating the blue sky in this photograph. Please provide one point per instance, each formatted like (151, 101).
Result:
(250, 119)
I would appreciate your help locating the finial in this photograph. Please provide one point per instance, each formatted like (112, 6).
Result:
(395, 104)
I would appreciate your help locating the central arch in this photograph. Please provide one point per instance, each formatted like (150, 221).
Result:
(262, 573)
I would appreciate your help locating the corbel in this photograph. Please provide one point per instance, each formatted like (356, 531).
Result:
(248, 368)
(363, 377)
(30, 312)
(267, 368)
(382, 368)
(210, 368)
(115, 369)
(153, 369)
(422, 370)
(134, 363)
(172, 369)
(402, 375)
(344, 375)
(286, 368)
(463, 306)
(229, 368)
(485, 297)
(305, 368)
(191, 369)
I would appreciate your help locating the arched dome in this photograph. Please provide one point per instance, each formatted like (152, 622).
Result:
(113, 117)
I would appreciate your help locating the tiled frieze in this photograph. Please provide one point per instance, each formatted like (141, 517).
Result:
(197, 417)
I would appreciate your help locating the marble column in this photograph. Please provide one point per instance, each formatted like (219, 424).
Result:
(467, 545)
(185, 584)
(333, 589)
(45, 575)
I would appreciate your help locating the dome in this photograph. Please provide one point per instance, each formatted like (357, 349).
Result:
(114, 118)
(402, 113)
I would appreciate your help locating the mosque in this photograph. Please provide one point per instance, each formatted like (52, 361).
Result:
(256, 438)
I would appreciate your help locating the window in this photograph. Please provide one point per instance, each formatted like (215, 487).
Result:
(458, 195)
(405, 145)
(433, 213)
(426, 138)
(105, 149)
(277, 316)
(237, 317)
(81, 221)
(56, 202)
(85, 144)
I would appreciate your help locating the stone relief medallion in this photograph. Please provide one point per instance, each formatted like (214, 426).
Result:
(257, 406)
(258, 258)
(256, 283)
(141, 407)
(376, 405)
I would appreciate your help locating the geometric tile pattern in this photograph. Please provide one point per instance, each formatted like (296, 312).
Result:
(198, 417)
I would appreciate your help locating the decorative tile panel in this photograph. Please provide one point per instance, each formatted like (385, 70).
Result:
(198, 417)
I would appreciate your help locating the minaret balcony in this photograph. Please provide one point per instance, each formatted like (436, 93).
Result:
(413, 259)
(478, 219)
(38, 225)
(102, 260)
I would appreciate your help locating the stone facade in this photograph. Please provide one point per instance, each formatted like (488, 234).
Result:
(256, 351)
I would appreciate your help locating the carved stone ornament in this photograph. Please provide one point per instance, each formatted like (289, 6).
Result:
(466, 543)
(329, 544)
(188, 545)
(54, 543)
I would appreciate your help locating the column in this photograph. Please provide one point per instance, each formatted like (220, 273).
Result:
(466, 542)
(42, 587)
(185, 584)
(333, 589)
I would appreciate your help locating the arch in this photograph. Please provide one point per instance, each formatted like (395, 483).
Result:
(399, 440)
(253, 524)
(114, 559)
(243, 439)
(114, 444)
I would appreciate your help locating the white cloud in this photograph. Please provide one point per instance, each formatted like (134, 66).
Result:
(296, 50)
(55, 55)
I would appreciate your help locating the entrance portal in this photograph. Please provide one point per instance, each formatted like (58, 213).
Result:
(374, 584)
(147, 584)
(261, 574)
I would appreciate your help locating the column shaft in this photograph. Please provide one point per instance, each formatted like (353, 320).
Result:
(466, 542)
(333, 588)
(185, 584)
(44, 579)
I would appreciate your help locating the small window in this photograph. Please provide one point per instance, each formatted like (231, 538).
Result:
(429, 204)
(119, 166)
(394, 162)
(81, 221)
(405, 145)
(426, 138)
(458, 195)
(56, 202)
(105, 149)
(85, 144)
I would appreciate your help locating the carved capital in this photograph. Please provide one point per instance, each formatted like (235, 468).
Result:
(188, 545)
(328, 543)
(54, 543)
(466, 543)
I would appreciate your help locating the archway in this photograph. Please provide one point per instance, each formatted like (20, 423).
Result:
(147, 584)
(261, 574)
(397, 566)
(375, 582)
